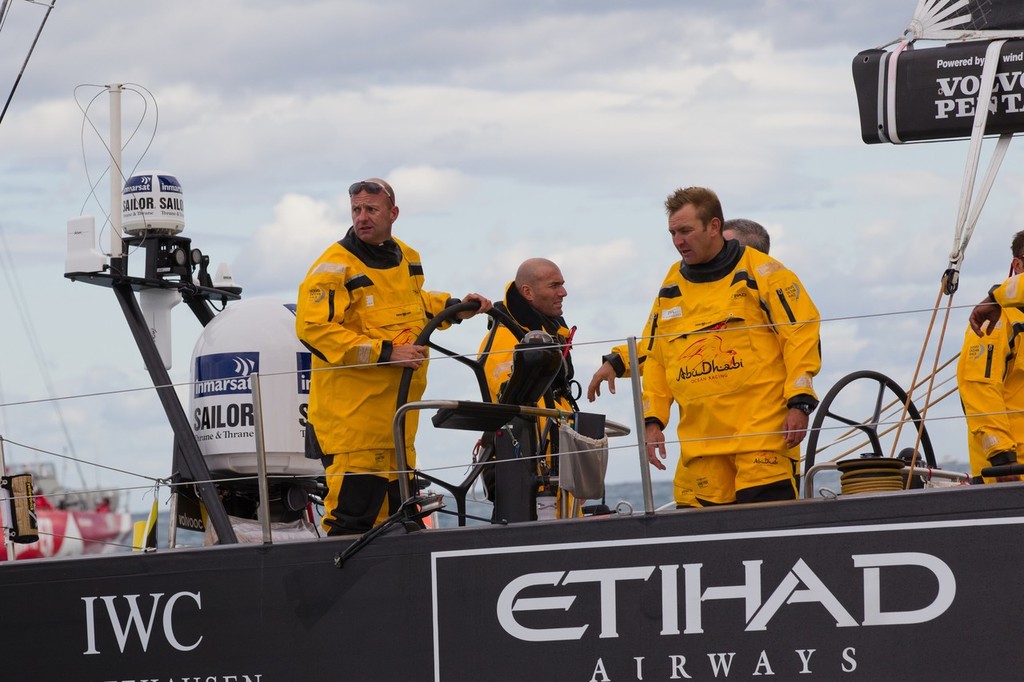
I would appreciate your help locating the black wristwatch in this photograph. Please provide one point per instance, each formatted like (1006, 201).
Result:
(803, 404)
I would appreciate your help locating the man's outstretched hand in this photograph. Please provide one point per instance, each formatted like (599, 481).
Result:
(984, 316)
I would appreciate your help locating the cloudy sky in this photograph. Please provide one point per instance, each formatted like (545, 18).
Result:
(509, 130)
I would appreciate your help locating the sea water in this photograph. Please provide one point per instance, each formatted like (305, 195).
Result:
(625, 497)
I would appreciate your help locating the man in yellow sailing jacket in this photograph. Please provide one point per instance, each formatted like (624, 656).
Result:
(991, 383)
(534, 302)
(360, 308)
(616, 364)
(735, 347)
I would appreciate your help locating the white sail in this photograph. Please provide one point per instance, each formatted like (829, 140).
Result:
(966, 20)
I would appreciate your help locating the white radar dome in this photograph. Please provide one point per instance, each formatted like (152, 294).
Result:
(152, 203)
(253, 336)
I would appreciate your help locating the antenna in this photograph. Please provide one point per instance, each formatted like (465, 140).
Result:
(116, 175)
(82, 255)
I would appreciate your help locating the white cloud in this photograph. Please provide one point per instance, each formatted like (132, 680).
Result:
(425, 188)
(279, 253)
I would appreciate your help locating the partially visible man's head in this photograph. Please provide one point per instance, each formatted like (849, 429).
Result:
(748, 233)
(540, 282)
(373, 210)
(1017, 251)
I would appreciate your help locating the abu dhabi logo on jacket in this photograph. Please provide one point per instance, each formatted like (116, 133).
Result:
(707, 356)
(225, 373)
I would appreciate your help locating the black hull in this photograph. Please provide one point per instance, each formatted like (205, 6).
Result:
(917, 585)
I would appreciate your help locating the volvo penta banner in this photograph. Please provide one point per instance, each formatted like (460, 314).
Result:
(936, 92)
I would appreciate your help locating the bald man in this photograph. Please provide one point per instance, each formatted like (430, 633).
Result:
(534, 302)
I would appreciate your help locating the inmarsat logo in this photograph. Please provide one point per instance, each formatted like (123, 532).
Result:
(138, 183)
(225, 373)
(169, 183)
(244, 366)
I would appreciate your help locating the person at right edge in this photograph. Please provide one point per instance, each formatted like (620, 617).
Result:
(735, 346)
(991, 385)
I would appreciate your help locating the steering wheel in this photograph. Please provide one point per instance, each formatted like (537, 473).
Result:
(461, 490)
(869, 426)
(449, 314)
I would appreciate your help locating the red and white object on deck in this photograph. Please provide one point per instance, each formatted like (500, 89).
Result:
(72, 533)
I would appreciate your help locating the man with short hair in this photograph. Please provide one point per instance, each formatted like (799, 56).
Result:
(991, 385)
(360, 308)
(733, 342)
(616, 364)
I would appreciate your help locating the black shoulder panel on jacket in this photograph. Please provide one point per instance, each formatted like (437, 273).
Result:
(358, 282)
(744, 277)
(670, 292)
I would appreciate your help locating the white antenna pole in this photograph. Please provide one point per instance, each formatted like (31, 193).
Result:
(116, 176)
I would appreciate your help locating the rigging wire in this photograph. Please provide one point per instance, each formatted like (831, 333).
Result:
(24, 313)
(31, 49)
(80, 461)
(4, 9)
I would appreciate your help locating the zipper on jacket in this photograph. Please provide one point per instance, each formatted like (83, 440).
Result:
(988, 361)
(330, 306)
(785, 305)
(654, 333)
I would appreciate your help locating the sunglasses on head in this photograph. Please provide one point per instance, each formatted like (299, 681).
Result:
(370, 187)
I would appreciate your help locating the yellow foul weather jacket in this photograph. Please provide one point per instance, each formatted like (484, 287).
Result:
(991, 388)
(1010, 293)
(497, 351)
(731, 352)
(357, 302)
